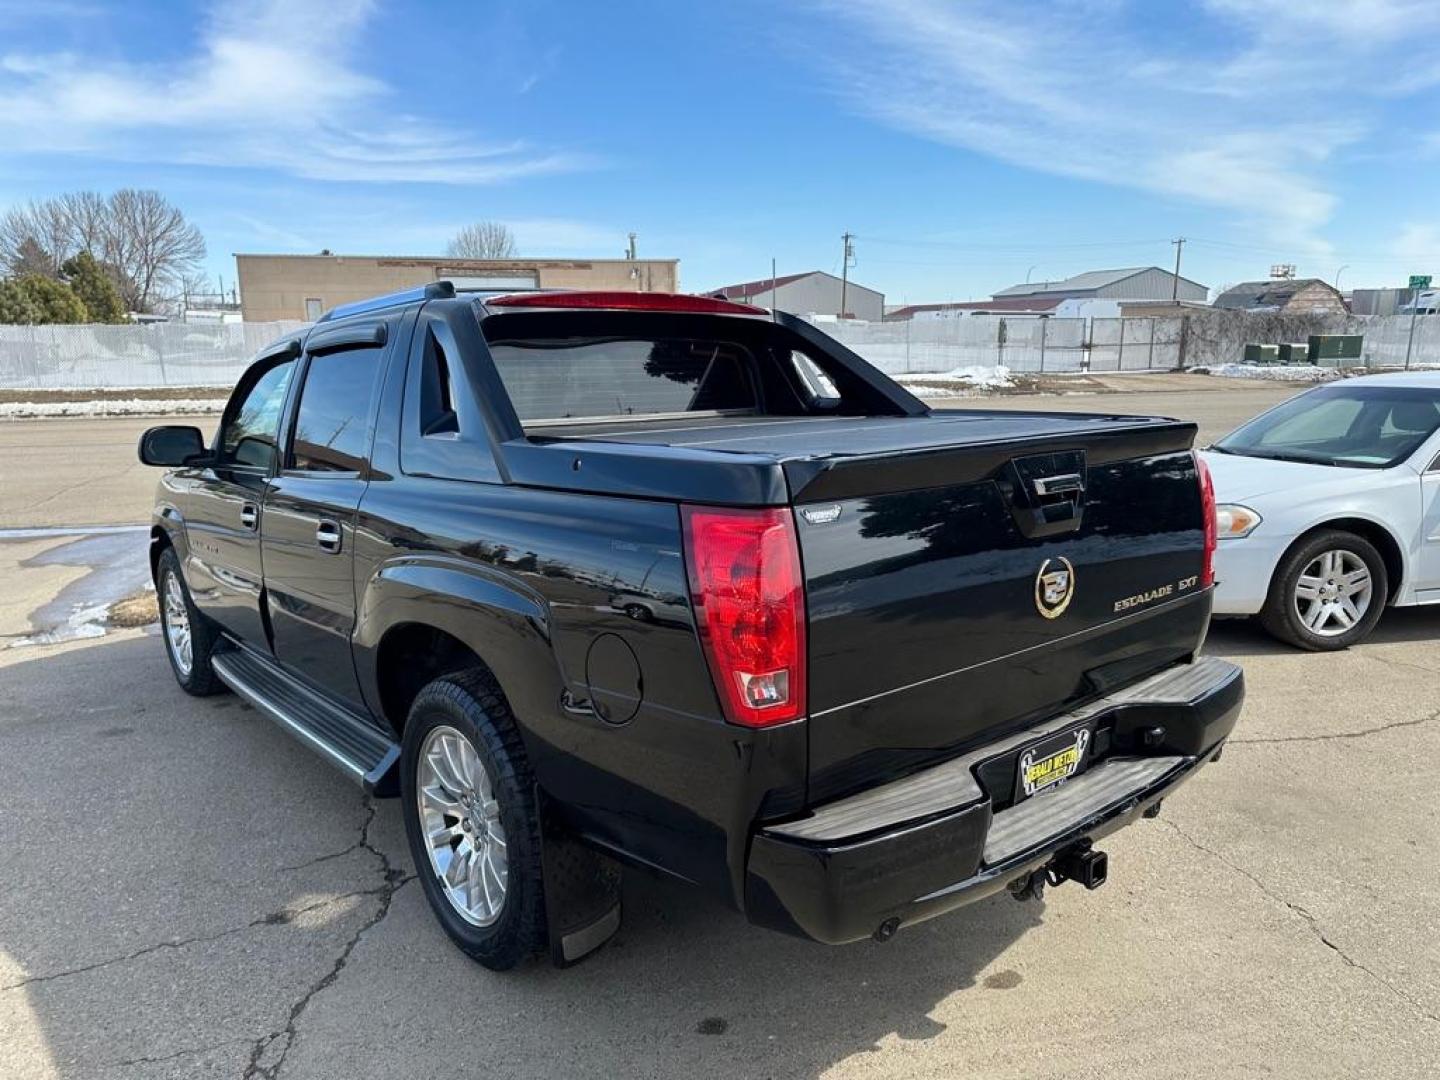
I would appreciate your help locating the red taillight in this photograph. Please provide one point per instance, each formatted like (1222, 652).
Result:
(749, 596)
(1207, 511)
(624, 301)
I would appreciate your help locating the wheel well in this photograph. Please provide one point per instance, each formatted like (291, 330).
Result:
(411, 655)
(1378, 535)
(159, 541)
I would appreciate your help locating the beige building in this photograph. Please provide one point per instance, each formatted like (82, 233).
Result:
(1288, 296)
(305, 286)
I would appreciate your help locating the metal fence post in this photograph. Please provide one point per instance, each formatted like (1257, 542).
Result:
(1410, 342)
(1150, 359)
(1044, 324)
(907, 344)
(1184, 333)
(1120, 353)
(1000, 342)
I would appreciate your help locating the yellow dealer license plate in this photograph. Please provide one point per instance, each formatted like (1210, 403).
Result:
(1051, 761)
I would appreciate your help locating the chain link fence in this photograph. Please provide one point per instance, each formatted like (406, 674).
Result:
(158, 355)
(1203, 339)
(143, 356)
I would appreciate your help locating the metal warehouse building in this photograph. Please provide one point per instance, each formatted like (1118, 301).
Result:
(813, 292)
(1127, 283)
(304, 286)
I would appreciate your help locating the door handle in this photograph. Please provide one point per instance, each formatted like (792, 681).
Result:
(249, 515)
(327, 535)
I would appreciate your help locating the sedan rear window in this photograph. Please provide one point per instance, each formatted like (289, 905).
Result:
(1355, 425)
(589, 378)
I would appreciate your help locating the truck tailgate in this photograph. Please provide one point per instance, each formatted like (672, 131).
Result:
(956, 591)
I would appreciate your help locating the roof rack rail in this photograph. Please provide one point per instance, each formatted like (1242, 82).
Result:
(436, 290)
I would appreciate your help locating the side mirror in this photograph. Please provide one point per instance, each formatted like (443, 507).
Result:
(171, 445)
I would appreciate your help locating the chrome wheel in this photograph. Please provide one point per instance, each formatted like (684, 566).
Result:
(177, 625)
(460, 818)
(1333, 593)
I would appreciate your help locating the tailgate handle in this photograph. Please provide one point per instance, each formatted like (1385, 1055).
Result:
(1046, 492)
(1059, 485)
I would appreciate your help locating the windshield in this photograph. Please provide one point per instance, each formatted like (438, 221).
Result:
(1358, 426)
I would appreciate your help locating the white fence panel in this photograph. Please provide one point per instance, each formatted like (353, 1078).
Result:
(136, 356)
(939, 345)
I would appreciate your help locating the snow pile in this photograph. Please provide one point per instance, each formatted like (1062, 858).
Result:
(1271, 372)
(16, 410)
(958, 382)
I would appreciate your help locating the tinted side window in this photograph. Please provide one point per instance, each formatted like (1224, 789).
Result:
(332, 426)
(252, 422)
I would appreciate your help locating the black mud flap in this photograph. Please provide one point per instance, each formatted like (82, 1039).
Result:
(582, 897)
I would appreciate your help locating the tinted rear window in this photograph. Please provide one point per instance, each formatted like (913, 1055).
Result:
(574, 378)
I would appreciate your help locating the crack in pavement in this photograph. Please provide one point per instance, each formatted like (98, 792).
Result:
(1407, 664)
(1310, 921)
(275, 918)
(187, 1052)
(356, 846)
(1361, 734)
(394, 880)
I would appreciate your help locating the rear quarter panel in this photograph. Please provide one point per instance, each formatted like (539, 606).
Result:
(537, 584)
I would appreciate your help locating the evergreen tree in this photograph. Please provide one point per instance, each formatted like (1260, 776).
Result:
(53, 301)
(16, 306)
(95, 288)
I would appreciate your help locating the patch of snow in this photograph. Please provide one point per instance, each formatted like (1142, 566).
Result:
(1272, 372)
(958, 382)
(18, 410)
(84, 622)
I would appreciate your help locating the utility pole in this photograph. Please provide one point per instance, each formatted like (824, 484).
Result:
(1410, 341)
(847, 255)
(1179, 243)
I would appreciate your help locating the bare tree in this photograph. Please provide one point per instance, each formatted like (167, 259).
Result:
(140, 239)
(155, 246)
(483, 240)
(35, 226)
(87, 220)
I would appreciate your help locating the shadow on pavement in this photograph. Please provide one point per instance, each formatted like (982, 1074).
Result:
(1245, 637)
(226, 883)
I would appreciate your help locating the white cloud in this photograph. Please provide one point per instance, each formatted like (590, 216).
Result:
(1245, 113)
(353, 229)
(273, 84)
(1418, 243)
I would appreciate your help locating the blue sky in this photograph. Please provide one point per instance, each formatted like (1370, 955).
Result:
(963, 143)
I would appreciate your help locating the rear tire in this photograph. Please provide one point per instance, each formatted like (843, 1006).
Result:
(1328, 592)
(497, 915)
(189, 637)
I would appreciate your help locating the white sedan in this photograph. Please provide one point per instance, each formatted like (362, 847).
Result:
(1329, 509)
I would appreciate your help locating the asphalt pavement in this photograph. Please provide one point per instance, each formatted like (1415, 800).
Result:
(187, 892)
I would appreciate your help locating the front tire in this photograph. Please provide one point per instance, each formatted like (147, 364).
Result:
(1328, 592)
(468, 800)
(189, 636)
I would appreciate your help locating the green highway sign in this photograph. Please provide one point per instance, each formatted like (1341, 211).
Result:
(1419, 281)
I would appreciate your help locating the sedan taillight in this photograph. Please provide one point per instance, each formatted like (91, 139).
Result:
(1207, 511)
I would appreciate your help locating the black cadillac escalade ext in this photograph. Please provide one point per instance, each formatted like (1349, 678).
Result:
(594, 580)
